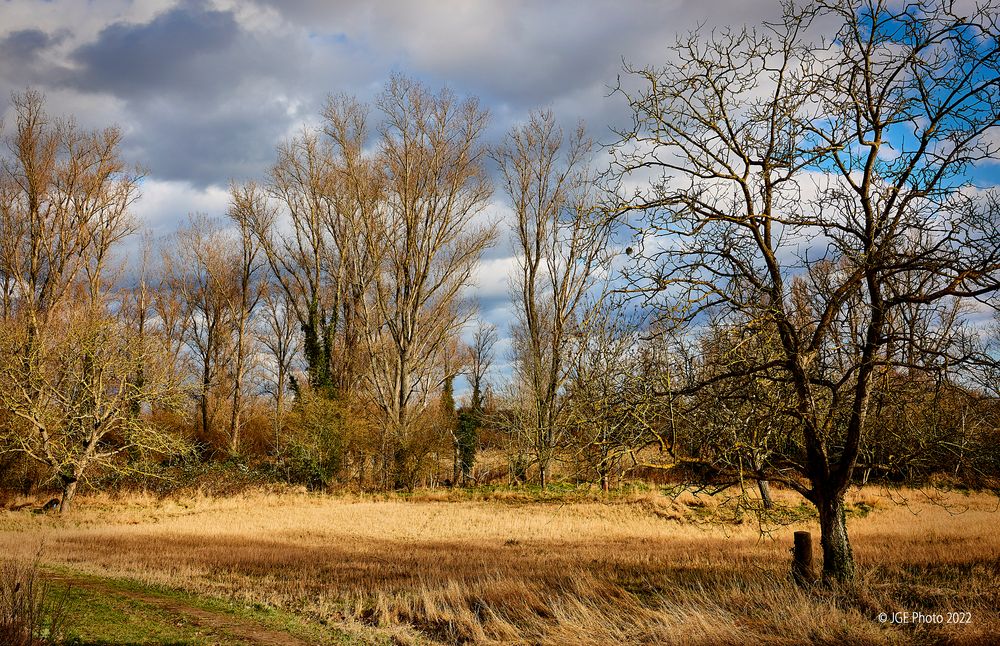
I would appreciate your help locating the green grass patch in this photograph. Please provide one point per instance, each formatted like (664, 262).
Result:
(97, 618)
(115, 612)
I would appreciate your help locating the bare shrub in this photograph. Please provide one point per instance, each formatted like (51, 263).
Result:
(31, 613)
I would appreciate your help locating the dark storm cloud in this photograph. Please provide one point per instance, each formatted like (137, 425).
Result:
(22, 57)
(205, 144)
(206, 98)
(23, 46)
(175, 50)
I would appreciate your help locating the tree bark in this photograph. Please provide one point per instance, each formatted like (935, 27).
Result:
(765, 493)
(401, 477)
(206, 383)
(838, 558)
(69, 490)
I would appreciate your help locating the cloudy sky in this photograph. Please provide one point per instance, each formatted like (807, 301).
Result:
(204, 90)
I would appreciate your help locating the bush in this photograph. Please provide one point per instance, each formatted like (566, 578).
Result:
(19, 474)
(468, 425)
(30, 613)
(313, 450)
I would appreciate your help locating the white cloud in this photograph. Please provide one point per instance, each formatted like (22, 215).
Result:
(164, 204)
(491, 278)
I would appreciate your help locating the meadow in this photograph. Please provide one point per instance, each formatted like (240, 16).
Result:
(507, 566)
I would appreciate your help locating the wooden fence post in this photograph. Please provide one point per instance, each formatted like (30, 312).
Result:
(802, 559)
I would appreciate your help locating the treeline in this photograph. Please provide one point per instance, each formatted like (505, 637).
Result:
(316, 333)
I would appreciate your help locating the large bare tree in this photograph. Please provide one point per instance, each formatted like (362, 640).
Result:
(357, 196)
(290, 217)
(202, 267)
(426, 244)
(72, 394)
(215, 273)
(840, 165)
(560, 245)
(309, 219)
(277, 333)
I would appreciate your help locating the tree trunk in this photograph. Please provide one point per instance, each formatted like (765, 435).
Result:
(206, 382)
(279, 410)
(69, 489)
(234, 432)
(235, 413)
(838, 558)
(762, 485)
(401, 477)
(765, 493)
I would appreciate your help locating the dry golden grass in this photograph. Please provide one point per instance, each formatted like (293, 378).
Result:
(642, 568)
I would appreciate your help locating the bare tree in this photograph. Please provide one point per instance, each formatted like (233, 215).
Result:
(278, 334)
(198, 268)
(309, 219)
(135, 303)
(290, 218)
(560, 245)
(606, 407)
(481, 355)
(243, 304)
(75, 409)
(843, 166)
(734, 424)
(357, 195)
(68, 363)
(169, 315)
(426, 245)
(64, 203)
(216, 278)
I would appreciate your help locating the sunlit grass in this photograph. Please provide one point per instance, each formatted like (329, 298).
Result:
(640, 567)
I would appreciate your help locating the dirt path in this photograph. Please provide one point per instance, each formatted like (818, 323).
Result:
(245, 630)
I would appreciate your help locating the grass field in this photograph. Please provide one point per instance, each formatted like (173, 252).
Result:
(508, 567)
